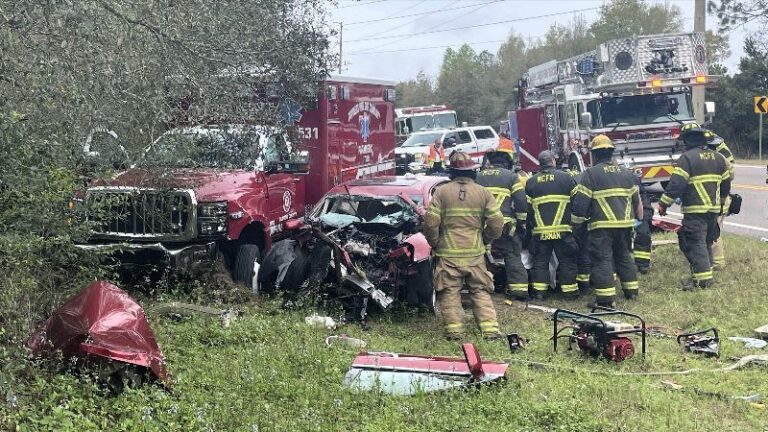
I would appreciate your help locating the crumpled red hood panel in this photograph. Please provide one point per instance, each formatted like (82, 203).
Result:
(102, 320)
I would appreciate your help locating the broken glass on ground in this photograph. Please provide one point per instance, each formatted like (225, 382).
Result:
(406, 374)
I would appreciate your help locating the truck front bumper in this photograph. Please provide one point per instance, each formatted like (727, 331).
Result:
(181, 259)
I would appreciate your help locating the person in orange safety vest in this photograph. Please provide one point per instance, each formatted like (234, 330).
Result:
(436, 157)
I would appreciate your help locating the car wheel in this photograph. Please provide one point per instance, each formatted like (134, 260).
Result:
(246, 269)
(298, 272)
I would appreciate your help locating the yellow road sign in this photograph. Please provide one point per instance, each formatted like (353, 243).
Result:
(761, 104)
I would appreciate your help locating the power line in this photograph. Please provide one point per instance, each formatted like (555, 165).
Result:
(361, 4)
(413, 21)
(413, 14)
(404, 37)
(426, 48)
(477, 25)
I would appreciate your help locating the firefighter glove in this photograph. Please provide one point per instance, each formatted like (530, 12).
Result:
(662, 210)
(678, 201)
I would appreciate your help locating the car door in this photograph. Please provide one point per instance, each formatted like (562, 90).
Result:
(487, 139)
(466, 143)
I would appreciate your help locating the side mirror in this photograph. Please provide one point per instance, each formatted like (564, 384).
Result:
(586, 119)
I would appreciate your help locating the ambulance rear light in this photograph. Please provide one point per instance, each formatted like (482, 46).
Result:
(701, 79)
(656, 83)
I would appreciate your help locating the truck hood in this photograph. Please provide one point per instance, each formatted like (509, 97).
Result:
(412, 150)
(208, 185)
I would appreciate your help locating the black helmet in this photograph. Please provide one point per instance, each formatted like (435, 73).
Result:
(694, 137)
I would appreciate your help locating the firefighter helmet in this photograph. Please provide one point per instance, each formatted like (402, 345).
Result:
(687, 127)
(694, 137)
(602, 142)
(461, 161)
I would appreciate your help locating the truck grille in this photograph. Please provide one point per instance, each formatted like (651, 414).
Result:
(141, 213)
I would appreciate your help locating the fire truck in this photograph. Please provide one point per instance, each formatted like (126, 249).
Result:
(415, 119)
(181, 209)
(636, 90)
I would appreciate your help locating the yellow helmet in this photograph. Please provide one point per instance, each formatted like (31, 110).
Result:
(602, 142)
(688, 126)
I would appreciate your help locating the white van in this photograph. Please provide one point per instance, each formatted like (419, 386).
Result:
(411, 156)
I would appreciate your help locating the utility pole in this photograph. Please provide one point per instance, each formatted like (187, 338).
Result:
(341, 42)
(699, 91)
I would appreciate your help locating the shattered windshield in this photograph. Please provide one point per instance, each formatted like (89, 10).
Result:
(640, 109)
(343, 210)
(422, 139)
(241, 148)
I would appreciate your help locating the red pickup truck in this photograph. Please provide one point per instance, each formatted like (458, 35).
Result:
(207, 189)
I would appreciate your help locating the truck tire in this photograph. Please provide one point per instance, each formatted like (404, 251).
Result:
(297, 273)
(246, 269)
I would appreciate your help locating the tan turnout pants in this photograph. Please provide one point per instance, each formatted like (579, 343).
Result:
(451, 275)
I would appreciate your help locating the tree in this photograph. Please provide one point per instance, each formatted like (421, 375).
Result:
(735, 13)
(416, 92)
(735, 119)
(622, 18)
(460, 82)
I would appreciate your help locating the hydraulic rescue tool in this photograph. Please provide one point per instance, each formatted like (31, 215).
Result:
(596, 335)
(705, 342)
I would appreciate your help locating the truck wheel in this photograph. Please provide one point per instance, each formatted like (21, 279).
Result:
(298, 272)
(246, 269)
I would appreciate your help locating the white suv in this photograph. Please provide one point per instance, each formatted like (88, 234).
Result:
(411, 156)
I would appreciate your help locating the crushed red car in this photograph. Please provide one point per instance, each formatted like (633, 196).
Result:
(362, 243)
(102, 322)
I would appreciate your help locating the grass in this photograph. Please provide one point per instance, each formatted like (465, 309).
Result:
(269, 371)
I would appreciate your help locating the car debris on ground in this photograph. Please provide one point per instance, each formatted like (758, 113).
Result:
(318, 321)
(749, 343)
(177, 309)
(104, 327)
(406, 374)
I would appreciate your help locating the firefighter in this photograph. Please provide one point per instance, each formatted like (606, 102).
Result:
(700, 178)
(605, 199)
(582, 241)
(717, 144)
(461, 220)
(642, 244)
(549, 198)
(436, 157)
(506, 188)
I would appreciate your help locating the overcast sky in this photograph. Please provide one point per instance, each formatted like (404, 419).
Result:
(383, 49)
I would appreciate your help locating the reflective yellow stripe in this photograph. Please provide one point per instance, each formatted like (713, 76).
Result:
(614, 192)
(642, 255)
(582, 190)
(703, 276)
(611, 224)
(551, 199)
(459, 253)
(522, 216)
(560, 214)
(706, 178)
(666, 200)
(465, 212)
(681, 172)
(538, 286)
(582, 277)
(606, 208)
(701, 209)
(517, 287)
(489, 326)
(630, 285)
(569, 288)
(517, 187)
(605, 292)
(454, 326)
(726, 175)
(577, 219)
(552, 229)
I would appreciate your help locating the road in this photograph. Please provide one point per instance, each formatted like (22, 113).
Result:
(752, 221)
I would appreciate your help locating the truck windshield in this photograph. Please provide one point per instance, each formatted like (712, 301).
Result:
(216, 149)
(640, 109)
(431, 121)
(422, 139)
